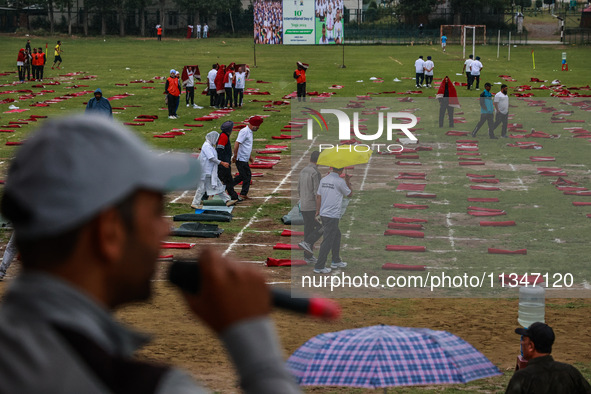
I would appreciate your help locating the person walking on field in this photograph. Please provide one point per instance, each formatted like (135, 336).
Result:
(212, 91)
(224, 151)
(448, 100)
(329, 198)
(210, 182)
(241, 76)
(475, 68)
(420, 71)
(467, 69)
(428, 67)
(242, 155)
(501, 104)
(486, 111)
(307, 188)
(172, 89)
(58, 55)
(443, 42)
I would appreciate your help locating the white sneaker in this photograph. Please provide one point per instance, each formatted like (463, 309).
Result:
(322, 271)
(306, 246)
(188, 105)
(334, 265)
(195, 106)
(171, 117)
(311, 261)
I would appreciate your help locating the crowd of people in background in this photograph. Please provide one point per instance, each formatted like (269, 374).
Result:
(268, 22)
(226, 85)
(330, 14)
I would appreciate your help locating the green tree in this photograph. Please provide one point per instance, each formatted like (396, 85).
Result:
(412, 10)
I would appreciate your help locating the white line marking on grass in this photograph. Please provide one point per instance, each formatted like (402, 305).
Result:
(285, 179)
(518, 178)
(183, 194)
(451, 231)
(438, 154)
(348, 234)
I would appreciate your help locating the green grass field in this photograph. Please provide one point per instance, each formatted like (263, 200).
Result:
(554, 232)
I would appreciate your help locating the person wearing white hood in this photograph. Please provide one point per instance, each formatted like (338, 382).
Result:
(210, 182)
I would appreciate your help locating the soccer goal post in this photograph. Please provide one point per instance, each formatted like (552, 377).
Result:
(463, 34)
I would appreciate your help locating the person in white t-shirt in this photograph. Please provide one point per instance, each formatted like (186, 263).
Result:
(338, 29)
(329, 198)
(467, 69)
(475, 68)
(198, 30)
(501, 104)
(212, 92)
(420, 71)
(242, 155)
(428, 67)
(241, 76)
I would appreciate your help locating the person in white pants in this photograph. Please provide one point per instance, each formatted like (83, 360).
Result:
(210, 182)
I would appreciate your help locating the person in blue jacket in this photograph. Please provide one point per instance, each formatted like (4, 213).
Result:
(99, 105)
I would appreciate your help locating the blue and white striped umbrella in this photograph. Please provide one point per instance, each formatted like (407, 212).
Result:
(386, 356)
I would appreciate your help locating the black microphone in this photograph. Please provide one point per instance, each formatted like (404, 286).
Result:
(186, 275)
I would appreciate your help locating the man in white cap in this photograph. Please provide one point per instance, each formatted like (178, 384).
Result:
(86, 198)
(172, 89)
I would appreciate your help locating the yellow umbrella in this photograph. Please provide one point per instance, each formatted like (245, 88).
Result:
(344, 156)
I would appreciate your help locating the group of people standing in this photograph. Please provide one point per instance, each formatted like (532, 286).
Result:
(30, 63)
(226, 85)
(424, 72)
(216, 158)
(472, 68)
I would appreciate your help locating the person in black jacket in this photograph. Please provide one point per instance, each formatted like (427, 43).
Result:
(224, 149)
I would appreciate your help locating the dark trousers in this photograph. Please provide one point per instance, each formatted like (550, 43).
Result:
(445, 107)
(331, 242)
(501, 118)
(34, 71)
(484, 118)
(420, 78)
(21, 73)
(173, 102)
(228, 97)
(40, 72)
(159, 37)
(244, 176)
(238, 96)
(469, 79)
(221, 101)
(477, 78)
(301, 91)
(28, 71)
(190, 96)
(311, 230)
(225, 175)
(212, 97)
(429, 79)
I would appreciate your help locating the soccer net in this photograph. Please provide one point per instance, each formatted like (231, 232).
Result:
(464, 35)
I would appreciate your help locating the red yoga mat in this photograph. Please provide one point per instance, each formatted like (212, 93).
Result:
(262, 165)
(416, 187)
(489, 188)
(396, 219)
(457, 133)
(269, 151)
(411, 206)
(405, 248)
(284, 262)
(480, 213)
(484, 180)
(471, 163)
(291, 233)
(477, 199)
(403, 267)
(268, 157)
(503, 251)
(176, 245)
(420, 195)
(406, 233)
(498, 224)
(581, 203)
(408, 163)
(286, 247)
(472, 208)
(541, 158)
(405, 226)
(578, 193)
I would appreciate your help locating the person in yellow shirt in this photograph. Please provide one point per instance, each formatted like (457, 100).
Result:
(58, 55)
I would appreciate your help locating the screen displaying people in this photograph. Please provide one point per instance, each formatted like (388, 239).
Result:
(268, 22)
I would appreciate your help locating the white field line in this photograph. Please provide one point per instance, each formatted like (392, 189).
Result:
(439, 154)
(451, 231)
(518, 178)
(348, 234)
(285, 179)
(183, 194)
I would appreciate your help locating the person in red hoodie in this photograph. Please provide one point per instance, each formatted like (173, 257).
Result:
(448, 100)
(20, 65)
(219, 87)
